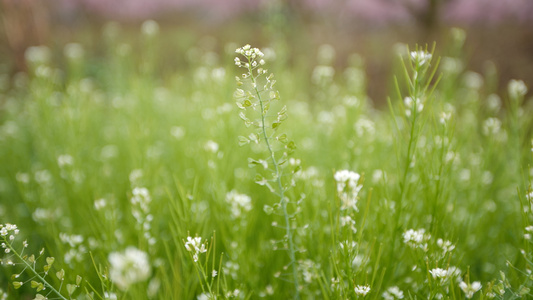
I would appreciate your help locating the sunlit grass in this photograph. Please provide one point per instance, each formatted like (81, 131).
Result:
(137, 183)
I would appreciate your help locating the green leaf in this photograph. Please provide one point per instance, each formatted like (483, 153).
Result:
(254, 137)
(34, 284)
(260, 179)
(524, 290)
(282, 138)
(243, 141)
(50, 260)
(17, 284)
(60, 274)
(70, 289)
(252, 163)
(78, 280)
(243, 116)
(291, 146)
(40, 287)
(268, 209)
(266, 107)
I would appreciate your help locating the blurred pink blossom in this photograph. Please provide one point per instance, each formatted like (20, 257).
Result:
(371, 11)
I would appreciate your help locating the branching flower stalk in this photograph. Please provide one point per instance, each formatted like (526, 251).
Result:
(257, 98)
(7, 236)
(419, 75)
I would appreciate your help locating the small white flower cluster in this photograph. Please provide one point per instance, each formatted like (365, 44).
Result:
(73, 51)
(444, 275)
(150, 28)
(309, 270)
(348, 221)
(135, 177)
(141, 198)
(8, 233)
(392, 293)
(491, 126)
(231, 268)
(527, 235)
(364, 127)
(517, 88)
(411, 105)
(141, 212)
(251, 55)
(446, 246)
(420, 57)
(196, 246)
(129, 267)
(38, 55)
(211, 146)
(65, 160)
(236, 293)
(348, 188)
(362, 290)
(77, 249)
(529, 199)
(470, 288)
(417, 239)
(239, 203)
(205, 296)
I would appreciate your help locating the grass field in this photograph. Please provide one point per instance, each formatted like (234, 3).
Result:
(127, 184)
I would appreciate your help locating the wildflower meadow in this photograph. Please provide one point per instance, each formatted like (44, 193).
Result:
(241, 176)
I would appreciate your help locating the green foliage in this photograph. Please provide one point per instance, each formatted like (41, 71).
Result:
(123, 174)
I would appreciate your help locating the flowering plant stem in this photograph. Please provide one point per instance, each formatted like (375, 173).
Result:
(32, 269)
(279, 186)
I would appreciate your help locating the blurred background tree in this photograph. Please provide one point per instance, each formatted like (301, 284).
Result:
(498, 31)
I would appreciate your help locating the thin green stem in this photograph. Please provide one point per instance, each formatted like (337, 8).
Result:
(28, 266)
(280, 189)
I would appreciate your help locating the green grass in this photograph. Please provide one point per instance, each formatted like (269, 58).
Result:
(76, 130)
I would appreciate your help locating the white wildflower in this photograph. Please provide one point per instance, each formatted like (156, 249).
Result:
(364, 126)
(23, 177)
(393, 293)
(141, 197)
(447, 246)
(348, 221)
(438, 273)
(517, 88)
(470, 289)
(420, 57)
(129, 267)
(150, 28)
(412, 104)
(195, 246)
(73, 51)
(65, 160)
(239, 203)
(348, 188)
(37, 54)
(362, 290)
(177, 132)
(491, 126)
(211, 146)
(100, 203)
(416, 239)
